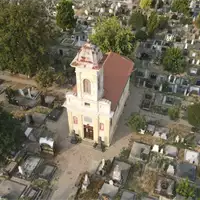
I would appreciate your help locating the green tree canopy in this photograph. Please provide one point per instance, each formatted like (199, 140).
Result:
(163, 22)
(152, 23)
(185, 189)
(194, 115)
(174, 61)
(197, 21)
(137, 20)
(173, 113)
(11, 135)
(25, 31)
(141, 35)
(111, 36)
(45, 78)
(181, 6)
(136, 122)
(65, 15)
(144, 4)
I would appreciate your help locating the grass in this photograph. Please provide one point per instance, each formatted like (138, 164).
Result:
(40, 109)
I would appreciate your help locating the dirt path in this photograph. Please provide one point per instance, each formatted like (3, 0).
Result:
(15, 79)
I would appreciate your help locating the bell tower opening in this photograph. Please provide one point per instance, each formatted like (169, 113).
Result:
(89, 72)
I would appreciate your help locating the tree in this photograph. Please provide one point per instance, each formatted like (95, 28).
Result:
(144, 4)
(173, 113)
(136, 122)
(185, 189)
(193, 113)
(181, 6)
(45, 78)
(25, 32)
(111, 36)
(197, 21)
(174, 61)
(163, 22)
(152, 23)
(65, 15)
(141, 35)
(137, 20)
(11, 135)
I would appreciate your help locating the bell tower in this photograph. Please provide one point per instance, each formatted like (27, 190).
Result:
(88, 65)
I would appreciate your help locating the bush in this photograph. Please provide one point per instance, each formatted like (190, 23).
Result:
(141, 35)
(194, 115)
(137, 122)
(185, 189)
(163, 22)
(45, 78)
(137, 20)
(173, 113)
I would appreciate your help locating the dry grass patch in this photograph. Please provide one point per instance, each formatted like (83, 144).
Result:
(146, 138)
(148, 181)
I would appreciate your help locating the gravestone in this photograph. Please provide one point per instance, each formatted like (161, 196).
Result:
(170, 169)
(177, 139)
(117, 176)
(21, 171)
(86, 182)
(155, 148)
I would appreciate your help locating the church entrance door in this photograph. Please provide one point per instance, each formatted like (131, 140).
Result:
(88, 132)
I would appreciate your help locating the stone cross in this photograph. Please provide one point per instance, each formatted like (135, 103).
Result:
(117, 173)
(86, 182)
(20, 169)
(177, 139)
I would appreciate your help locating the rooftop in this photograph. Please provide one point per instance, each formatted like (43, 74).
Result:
(117, 70)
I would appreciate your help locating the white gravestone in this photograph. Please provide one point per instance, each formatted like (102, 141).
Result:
(86, 182)
(117, 173)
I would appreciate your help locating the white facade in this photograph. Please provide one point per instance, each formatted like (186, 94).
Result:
(89, 113)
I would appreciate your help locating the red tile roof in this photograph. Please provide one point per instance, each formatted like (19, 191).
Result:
(117, 70)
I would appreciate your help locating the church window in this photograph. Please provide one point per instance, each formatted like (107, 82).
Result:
(75, 120)
(101, 126)
(86, 86)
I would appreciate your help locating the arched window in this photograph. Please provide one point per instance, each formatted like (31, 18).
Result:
(86, 86)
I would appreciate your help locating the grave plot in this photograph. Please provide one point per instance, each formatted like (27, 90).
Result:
(165, 187)
(46, 171)
(11, 190)
(88, 187)
(31, 193)
(119, 172)
(28, 166)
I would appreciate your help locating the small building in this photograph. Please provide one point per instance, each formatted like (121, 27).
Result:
(139, 152)
(98, 99)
